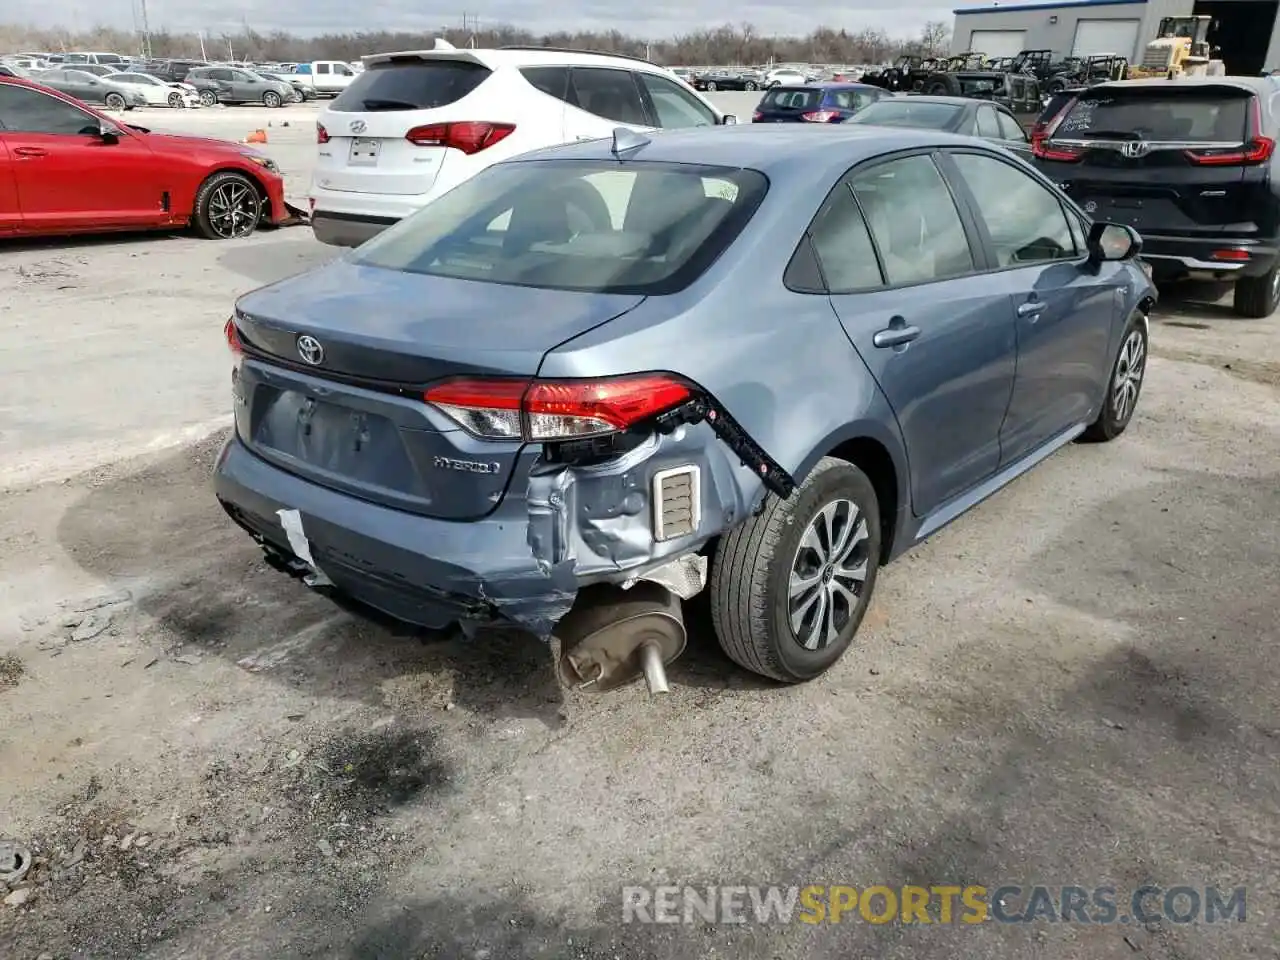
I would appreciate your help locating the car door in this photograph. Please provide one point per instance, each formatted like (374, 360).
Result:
(671, 106)
(603, 98)
(69, 177)
(85, 86)
(905, 278)
(10, 211)
(226, 88)
(1065, 308)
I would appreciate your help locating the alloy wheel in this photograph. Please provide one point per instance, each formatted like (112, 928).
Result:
(207, 98)
(114, 101)
(1128, 379)
(234, 209)
(175, 100)
(828, 574)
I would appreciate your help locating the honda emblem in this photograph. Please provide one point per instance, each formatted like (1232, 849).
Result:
(1135, 149)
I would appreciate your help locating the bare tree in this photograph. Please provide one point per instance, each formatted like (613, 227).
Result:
(935, 38)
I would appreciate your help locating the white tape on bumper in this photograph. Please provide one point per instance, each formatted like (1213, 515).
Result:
(291, 520)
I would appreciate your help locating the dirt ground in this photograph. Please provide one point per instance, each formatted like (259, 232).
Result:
(1074, 684)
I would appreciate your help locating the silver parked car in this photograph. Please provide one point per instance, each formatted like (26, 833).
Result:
(598, 378)
(239, 85)
(91, 88)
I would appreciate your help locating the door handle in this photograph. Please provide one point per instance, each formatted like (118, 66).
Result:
(895, 336)
(29, 152)
(1031, 308)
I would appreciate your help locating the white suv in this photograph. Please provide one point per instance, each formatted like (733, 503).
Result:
(414, 125)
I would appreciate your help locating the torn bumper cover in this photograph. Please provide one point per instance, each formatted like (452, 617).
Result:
(572, 525)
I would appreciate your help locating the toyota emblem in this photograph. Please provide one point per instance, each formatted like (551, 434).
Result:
(310, 351)
(358, 126)
(1135, 149)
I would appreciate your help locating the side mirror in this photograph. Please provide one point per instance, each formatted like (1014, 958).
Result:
(1113, 241)
(729, 120)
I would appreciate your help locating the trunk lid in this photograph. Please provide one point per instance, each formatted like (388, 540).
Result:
(356, 420)
(1136, 161)
(367, 151)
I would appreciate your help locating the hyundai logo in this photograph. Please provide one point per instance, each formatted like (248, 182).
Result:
(1135, 149)
(358, 126)
(310, 351)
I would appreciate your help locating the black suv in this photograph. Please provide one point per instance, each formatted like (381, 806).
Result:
(1191, 165)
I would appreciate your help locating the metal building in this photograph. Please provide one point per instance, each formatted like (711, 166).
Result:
(1245, 30)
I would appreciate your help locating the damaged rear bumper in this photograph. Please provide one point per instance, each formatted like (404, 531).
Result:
(571, 526)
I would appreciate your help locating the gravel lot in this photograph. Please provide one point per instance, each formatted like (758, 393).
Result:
(1075, 684)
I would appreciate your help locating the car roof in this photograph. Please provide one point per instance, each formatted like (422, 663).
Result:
(949, 101)
(783, 150)
(1259, 85)
(496, 58)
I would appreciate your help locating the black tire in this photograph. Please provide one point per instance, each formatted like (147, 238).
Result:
(753, 565)
(711, 84)
(296, 97)
(750, 86)
(1056, 85)
(208, 98)
(1115, 415)
(215, 194)
(115, 101)
(272, 99)
(1258, 297)
(176, 101)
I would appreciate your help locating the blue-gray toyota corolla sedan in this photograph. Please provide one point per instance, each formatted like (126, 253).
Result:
(759, 361)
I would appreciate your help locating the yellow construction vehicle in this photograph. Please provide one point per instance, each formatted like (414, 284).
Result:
(1180, 49)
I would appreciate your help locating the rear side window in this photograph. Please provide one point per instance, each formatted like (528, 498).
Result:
(410, 84)
(553, 81)
(843, 245)
(1203, 113)
(587, 225)
(785, 98)
(848, 99)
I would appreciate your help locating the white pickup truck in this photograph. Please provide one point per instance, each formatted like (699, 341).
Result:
(327, 77)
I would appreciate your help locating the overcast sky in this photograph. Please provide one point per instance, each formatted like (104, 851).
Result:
(656, 20)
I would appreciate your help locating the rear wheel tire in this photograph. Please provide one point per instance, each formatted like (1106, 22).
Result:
(711, 85)
(1258, 297)
(115, 101)
(750, 86)
(208, 98)
(228, 206)
(789, 587)
(1124, 386)
(272, 99)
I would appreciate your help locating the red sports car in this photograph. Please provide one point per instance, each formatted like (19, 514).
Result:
(65, 168)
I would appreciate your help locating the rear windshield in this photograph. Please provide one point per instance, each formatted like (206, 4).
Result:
(791, 98)
(904, 113)
(1208, 114)
(587, 225)
(1054, 106)
(410, 84)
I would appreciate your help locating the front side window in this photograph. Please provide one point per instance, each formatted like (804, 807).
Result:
(675, 106)
(29, 111)
(610, 94)
(1026, 221)
(583, 225)
(914, 221)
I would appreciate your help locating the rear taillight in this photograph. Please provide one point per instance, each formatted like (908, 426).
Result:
(540, 411)
(1257, 150)
(233, 337)
(819, 116)
(322, 135)
(469, 136)
(1045, 149)
(757, 117)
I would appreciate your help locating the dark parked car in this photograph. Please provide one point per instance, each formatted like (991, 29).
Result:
(727, 80)
(577, 378)
(816, 103)
(1191, 164)
(973, 118)
(172, 70)
(237, 85)
(301, 91)
(90, 89)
